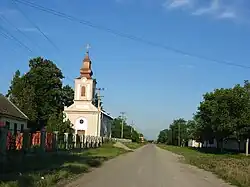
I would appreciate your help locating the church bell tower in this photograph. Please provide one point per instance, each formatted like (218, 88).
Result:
(85, 85)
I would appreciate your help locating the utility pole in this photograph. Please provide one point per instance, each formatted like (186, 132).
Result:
(110, 128)
(179, 134)
(122, 113)
(131, 129)
(99, 108)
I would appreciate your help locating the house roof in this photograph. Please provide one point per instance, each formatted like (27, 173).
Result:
(7, 108)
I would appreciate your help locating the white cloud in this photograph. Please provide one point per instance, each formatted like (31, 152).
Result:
(228, 14)
(177, 3)
(221, 9)
(211, 9)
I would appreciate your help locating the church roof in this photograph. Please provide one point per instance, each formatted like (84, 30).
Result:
(106, 114)
(7, 108)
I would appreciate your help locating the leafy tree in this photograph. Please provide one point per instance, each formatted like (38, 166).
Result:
(163, 136)
(23, 96)
(224, 112)
(67, 96)
(128, 133)
(39, 93)
(179, 132)
(58, 122)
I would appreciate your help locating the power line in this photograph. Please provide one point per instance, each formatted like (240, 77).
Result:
(22, 33)
(39, 30)
(124, 35)
(4, 35)
(10, 36)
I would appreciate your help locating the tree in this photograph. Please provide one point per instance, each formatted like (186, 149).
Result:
(163, 136)
(117, 127)
(23, 96)
(59, 123)
(39, 92)
(67, 96)
(179, 132)
(224, 112)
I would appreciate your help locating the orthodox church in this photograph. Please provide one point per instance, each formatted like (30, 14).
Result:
(84, 116)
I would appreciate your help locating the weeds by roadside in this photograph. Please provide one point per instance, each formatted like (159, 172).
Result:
(134, 145)
(48, 170)
(232, 168)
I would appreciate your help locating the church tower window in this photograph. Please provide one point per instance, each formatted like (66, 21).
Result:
(83, 91)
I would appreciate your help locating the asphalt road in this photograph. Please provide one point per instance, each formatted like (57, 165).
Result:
(148, 166)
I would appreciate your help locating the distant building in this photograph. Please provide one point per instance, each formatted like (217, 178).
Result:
(193, 143)
(11, 117)
(84, 116)
(141, 137)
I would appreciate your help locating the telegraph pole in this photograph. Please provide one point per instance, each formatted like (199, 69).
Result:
(99, 108)
(122, 113)
(131, 129)
(179, 134)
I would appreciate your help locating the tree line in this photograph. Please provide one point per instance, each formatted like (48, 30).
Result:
(129, 132)
(222, 114)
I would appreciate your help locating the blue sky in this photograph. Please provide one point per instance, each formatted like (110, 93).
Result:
(152, 85)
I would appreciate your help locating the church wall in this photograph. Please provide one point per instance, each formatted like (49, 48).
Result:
(89, 118)
(106, 123)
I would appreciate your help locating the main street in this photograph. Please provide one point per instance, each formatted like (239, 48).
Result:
(148, 166)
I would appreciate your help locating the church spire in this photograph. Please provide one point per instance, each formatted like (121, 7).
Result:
(86, 70)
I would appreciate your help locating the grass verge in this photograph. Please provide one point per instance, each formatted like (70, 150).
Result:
(48, 170)
(134, 145)
(232, 168)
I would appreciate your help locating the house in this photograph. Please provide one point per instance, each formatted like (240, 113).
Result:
(193, 143)
(84, 116)
(141, 137)
(11, 117)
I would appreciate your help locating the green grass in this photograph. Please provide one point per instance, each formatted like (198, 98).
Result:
(134, 145)
(233, 168)
(48, 170)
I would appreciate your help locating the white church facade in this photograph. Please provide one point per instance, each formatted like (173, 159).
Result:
(86, 118)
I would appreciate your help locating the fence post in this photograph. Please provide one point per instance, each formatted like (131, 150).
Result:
(75, 140)
(66, 140)
(81, 141)
(55, 141)
(43, 139)
(247, 146)
(26, 141)
(3, 143)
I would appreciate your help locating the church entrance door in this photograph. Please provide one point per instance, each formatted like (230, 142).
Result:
(80, 132)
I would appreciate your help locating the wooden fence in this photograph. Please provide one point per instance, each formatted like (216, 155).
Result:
(41, 142)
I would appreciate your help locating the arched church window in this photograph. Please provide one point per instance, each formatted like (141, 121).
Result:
(83, 90)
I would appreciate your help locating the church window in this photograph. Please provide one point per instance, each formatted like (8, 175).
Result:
(83, 90)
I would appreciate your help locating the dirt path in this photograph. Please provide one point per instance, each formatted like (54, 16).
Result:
(148, 166)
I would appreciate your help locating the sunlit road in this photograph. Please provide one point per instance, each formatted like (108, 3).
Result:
(148, 166)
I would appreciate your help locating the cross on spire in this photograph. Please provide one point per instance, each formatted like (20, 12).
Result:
(88, 47)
